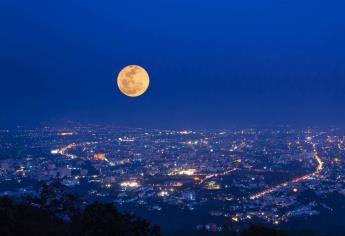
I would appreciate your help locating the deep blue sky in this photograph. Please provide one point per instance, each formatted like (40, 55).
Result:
(214, 63)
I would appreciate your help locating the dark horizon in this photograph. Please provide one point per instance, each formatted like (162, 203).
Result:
(211, 64)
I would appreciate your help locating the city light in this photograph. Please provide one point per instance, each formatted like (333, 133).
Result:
(56, 151)
(162, 169)
(212, 185)
(130, 184)
(99, 156)
(163, 194)
(184, 172)
(65, 134)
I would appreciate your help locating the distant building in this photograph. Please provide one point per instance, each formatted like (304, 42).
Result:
(7, 165)
(188, 195)
(70, 182)
(84, 172)
(64, 172)
(99, 156)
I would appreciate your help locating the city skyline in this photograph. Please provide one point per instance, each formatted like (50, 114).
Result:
(274, 176)
(174, 117)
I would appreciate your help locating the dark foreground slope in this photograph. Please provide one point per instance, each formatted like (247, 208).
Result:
(53, 211)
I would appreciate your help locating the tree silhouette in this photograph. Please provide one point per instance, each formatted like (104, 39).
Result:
(104, 219)
(54, 212)
(20, 219)
(259, 230)
(57, 212)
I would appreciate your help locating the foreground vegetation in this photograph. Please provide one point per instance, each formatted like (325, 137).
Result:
(53, 211)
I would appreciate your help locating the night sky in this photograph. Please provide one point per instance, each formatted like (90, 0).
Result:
(212, 64)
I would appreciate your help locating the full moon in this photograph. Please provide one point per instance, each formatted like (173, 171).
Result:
(133, 80)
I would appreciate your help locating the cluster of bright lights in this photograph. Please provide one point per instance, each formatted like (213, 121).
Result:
(184, 132)
(177, 184)
(184, 172)
(192, 142)
(56, 151)
(108, 185)
(65, 134)
(212, 185)
(99, 156)
(130, 184)
(126, 139)
(163, 194)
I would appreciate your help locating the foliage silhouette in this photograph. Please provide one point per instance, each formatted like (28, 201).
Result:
(56, 212)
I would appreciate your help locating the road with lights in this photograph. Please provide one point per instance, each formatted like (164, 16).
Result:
(318, 169)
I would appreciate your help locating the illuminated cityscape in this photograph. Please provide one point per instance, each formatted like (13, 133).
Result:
(173, 118)
(268, 175)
